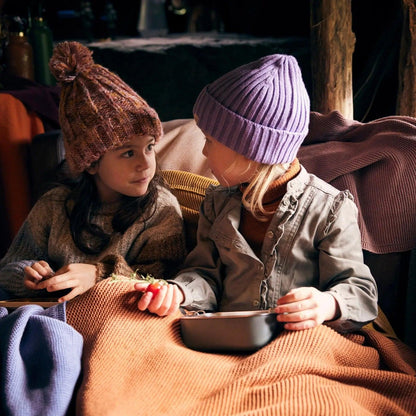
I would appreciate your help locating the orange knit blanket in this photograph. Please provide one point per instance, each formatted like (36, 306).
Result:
(135, 363)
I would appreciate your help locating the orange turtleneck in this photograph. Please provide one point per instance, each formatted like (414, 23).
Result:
(254, 230)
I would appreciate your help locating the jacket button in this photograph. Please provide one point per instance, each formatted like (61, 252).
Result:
(270, 234)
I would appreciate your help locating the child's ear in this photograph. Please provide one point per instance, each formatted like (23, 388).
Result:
(93, 168)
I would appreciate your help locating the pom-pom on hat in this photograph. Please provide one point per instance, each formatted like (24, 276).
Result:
(97, 111)
(260, 110)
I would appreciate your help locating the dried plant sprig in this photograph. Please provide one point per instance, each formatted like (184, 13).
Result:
(136, 277)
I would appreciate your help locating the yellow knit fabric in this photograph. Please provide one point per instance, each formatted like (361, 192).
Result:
(190, 190)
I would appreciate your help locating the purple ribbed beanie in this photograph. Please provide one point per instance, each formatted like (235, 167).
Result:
(260, 110)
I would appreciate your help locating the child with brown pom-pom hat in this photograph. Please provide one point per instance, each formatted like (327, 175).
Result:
(113, 215)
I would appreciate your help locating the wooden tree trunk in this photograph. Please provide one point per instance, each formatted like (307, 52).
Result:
(406, 94)
(332, 48)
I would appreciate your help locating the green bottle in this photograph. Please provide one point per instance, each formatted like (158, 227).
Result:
(40, 36)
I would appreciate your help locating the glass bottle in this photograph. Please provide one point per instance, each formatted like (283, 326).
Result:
(19, 56)
(40, 36)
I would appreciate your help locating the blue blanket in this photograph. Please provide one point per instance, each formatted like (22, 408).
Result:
(40, 361)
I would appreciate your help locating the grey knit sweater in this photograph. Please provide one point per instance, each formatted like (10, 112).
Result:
(155, 246)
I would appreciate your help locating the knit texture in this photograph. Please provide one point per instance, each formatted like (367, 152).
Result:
(154, 245)
(97, 111)
(376, 161)
(260, 110)
(189, 188)
(40, 361)
(135, 363)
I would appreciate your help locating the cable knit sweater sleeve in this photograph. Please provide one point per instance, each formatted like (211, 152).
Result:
(159, 248)
(155, 245)
(29, 245)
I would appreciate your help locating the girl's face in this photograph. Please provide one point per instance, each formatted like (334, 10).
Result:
(229, 167)
(125, 170)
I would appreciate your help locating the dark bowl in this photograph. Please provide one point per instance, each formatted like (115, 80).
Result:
(241, 331)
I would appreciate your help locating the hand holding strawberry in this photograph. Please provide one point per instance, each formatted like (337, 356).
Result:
(154, 288)
(159, 297)
(149, 283)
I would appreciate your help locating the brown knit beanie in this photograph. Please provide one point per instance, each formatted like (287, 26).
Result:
(97, 111)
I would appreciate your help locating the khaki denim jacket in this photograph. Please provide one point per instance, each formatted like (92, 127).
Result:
(312, 240)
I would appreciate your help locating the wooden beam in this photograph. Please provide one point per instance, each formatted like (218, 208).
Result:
(406, 94)
(332, 48)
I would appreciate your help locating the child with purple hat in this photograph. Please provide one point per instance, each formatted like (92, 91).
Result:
(271, 235)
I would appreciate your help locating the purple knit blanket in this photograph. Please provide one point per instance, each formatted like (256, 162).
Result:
(376, 161)
(40, 361)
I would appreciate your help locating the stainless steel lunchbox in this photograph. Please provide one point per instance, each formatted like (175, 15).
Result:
(241, 331)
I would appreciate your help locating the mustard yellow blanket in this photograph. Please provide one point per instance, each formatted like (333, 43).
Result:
(135, 363)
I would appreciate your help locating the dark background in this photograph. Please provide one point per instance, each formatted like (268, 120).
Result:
(376, 24)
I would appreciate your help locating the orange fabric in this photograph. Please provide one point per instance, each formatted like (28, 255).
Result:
(17, 128)
(135, 363)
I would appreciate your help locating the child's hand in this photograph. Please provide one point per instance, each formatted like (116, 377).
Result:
(163, 302)
(36, 273)
(306, 307)
(78, 276)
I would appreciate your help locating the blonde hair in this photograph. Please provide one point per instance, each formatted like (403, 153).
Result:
(253, 195)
